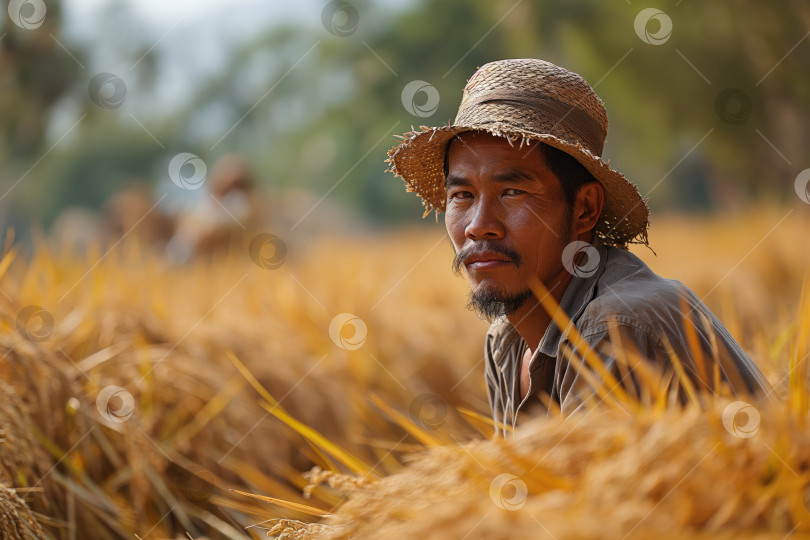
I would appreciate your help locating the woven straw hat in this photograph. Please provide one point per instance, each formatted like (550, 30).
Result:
(527, 100)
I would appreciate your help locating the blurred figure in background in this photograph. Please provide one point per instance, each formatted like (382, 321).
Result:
(76, 229)
(133, 211)
(229, 211)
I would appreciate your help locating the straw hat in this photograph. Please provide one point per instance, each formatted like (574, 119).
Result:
(527, 100)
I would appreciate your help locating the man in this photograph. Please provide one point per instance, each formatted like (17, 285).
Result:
(527, 197)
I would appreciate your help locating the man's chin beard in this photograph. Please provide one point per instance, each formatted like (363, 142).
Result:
(489, 304)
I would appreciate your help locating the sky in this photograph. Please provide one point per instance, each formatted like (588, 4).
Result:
(163, 15)
(192, 38)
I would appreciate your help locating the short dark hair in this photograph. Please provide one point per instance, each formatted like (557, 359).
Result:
(571, 173)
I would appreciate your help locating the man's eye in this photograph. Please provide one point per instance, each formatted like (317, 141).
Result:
(513, 191)
(460, 194)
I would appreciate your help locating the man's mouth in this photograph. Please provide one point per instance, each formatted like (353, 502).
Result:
(486, 260)
(482, 265)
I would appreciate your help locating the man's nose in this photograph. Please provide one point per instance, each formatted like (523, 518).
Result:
(486, 222)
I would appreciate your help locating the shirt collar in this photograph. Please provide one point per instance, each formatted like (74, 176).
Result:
(578, 293)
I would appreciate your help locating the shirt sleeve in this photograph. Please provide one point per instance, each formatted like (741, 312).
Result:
(720, 363)
(578, 390)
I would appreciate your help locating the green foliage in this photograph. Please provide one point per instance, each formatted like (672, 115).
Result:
(318, 111)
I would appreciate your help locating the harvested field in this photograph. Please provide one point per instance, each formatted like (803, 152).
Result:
(141, 399)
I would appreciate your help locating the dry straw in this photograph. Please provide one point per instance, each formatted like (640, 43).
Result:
(204, 432)
(627, 467)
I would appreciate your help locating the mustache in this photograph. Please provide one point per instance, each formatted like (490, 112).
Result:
(482, 247)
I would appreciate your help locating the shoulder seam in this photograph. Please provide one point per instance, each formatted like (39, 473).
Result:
(585, 333)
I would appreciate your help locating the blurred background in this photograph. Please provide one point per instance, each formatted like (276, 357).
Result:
(197, 223)
(708, 105)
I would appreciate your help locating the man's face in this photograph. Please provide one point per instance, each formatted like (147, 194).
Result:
(507, 217)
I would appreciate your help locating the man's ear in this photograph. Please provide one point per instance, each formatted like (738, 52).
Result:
(587, 207)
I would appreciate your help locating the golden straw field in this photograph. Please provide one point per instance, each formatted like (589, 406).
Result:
(344, 387)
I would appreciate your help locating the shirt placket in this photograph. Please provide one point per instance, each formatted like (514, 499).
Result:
(575, 300)
(538, 378)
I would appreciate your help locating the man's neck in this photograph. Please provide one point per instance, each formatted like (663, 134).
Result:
(532, 320)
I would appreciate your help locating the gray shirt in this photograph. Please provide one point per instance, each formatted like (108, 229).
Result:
(647, 311)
